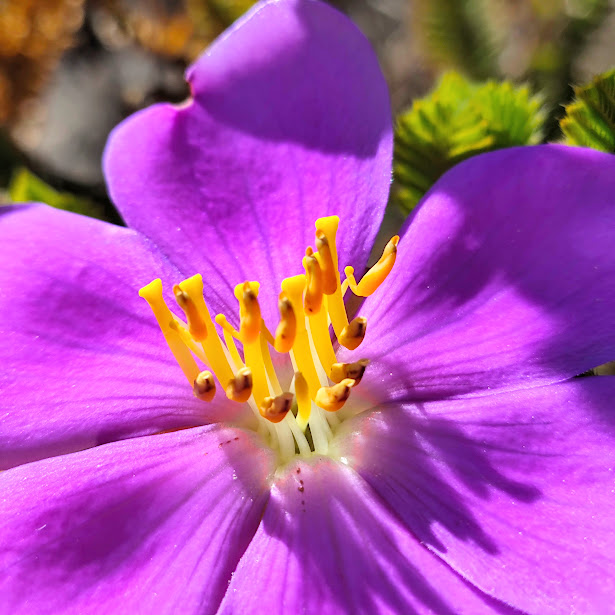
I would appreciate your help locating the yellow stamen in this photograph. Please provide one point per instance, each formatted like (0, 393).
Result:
(354, 371)
(229, 338)
(304, 403)
(287, 329)
(240, 387)
(249, 332)
(326, 230)
(152, 293)
(204, 386)
(312, 301)
(274, 409)
(319, 328)
(196, 326)
(293, 287)
(353, 333)
(377, 274)
(273, 377)
(249, 311)
(212, 345)
(333, 398)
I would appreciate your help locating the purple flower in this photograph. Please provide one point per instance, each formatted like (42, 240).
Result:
(467, 473)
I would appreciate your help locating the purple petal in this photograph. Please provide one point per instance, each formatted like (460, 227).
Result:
(504, 278)
(83, 361)
(149, 525)
(326, 545)
(515, 491)
(290, 121)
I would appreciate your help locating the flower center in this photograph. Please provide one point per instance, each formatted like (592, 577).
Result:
(301, 418)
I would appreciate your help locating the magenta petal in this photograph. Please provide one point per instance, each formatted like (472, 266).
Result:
(149, 525)
(83, 361)
(515, 491)
(290, 121)
(326, 545)
(504, 277)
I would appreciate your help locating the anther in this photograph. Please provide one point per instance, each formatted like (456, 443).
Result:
(377, 274)
(333, 398)
(250, 311)
(274, 409)
(287, 328)
(327, 265)
(240, 387)
(353, 333)
(196, 325)
(353, 371)
(204, 386)
(312, 301)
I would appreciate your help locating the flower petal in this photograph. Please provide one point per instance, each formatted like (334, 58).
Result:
(149, 525)
(503, 280)
(515, 491)
(83, 361)
(290, 121)
(327, 546)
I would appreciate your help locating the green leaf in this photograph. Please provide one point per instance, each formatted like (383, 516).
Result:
(26, 187)
(459, 119)
(590, 117)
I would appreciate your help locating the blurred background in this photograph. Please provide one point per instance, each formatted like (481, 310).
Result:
(70, 70)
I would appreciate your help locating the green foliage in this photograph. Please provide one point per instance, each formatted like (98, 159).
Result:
(590, 118)
(457, 120)
(457, 34)
(26, 187)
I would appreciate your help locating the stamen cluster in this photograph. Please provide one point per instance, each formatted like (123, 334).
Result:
(300, 419)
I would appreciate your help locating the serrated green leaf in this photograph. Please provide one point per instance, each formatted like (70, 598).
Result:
(25, 187)
(459, 119)
(590, 118)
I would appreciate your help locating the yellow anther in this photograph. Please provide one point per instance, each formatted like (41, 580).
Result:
(287, 329)
(333, 398)
(152, 293)
(189, 298)
(353, 333)
(353, 371)
(240, 387)
(312, 301)
(326, 230)
(329, 272)
(274, 409)
(249, 311)
(204, 386)
(293, 288)
(377, 274)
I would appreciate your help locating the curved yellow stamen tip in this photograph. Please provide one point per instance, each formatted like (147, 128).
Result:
(204, 386)
(196, 326)
(240, 387)
(327, 264)
(304, 403)
(287, 329)
(152, 293)
(249, 311)
(274, 409)
(312, 301)
(377, 274)
(333, 398)
(353, 371)
(354, 333)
